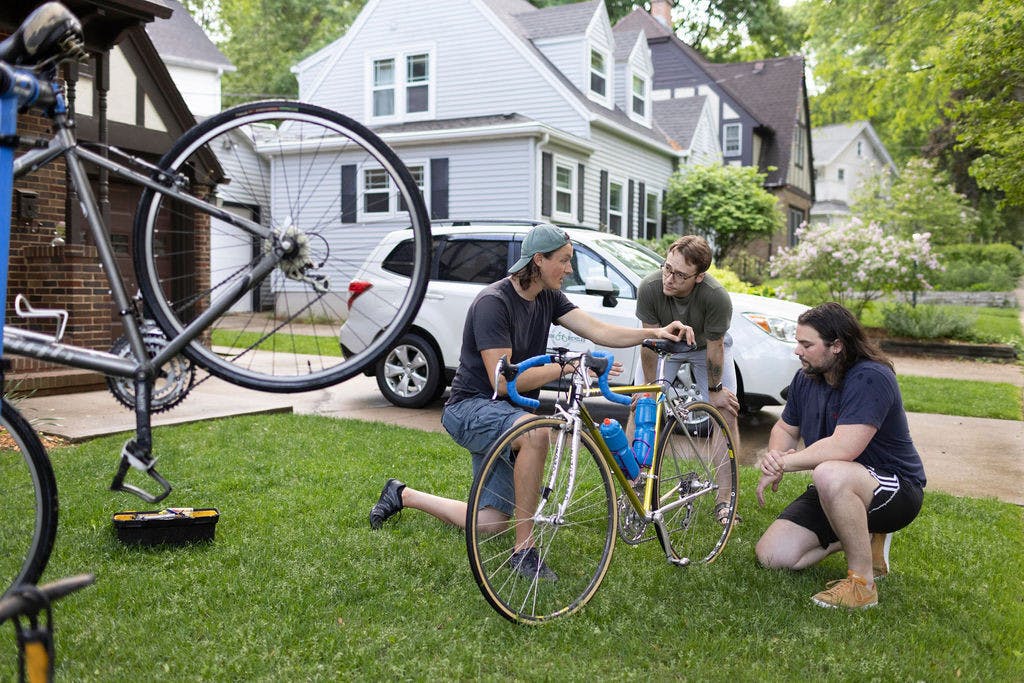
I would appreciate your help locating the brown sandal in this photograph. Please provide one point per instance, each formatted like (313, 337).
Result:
(722, 513)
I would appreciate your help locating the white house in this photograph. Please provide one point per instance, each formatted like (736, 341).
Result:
(845, 155)
(507, 111)
(194, 62)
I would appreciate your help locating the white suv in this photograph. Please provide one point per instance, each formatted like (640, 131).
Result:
(607, 270)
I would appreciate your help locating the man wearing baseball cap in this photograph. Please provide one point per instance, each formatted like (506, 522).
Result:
(511, 318)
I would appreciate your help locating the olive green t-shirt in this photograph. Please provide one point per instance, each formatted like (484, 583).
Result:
(707, 309)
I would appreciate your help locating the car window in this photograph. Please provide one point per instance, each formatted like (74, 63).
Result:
(400, 259)
(640, 260)
(586, 265)
(480, 261)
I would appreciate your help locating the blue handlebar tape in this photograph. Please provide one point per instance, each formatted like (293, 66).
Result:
(525, 365)
(602, 381)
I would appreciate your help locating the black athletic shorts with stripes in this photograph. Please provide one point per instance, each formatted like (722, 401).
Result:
(895, 504)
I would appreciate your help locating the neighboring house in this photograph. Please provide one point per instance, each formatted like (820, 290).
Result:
(506, 111)
(194, 62)
(124, 96)
(760, 111)
(845, 154)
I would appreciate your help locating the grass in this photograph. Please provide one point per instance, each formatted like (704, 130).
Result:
(296, 587)
(970, 398)
(282, 343)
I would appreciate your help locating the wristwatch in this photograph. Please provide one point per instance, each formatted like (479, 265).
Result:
(715, 389)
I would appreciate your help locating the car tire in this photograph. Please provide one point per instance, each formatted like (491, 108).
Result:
(409, 374)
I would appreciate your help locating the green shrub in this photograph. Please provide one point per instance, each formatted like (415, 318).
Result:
(927, 322)
(966, 276)
(1005, 255)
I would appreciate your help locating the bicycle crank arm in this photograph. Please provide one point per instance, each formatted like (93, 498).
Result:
(144, 463)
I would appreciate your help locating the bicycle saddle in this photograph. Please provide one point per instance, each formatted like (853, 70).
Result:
(51, 31)
(666, 346)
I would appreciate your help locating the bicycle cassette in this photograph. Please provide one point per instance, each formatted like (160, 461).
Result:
(171, 384)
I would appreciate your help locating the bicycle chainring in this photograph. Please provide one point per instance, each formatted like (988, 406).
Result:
(632, 526)
(171, 385)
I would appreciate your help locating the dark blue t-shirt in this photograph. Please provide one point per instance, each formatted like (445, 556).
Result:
(499, 318)
(869, 395)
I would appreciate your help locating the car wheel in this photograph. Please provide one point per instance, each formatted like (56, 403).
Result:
(410, 374)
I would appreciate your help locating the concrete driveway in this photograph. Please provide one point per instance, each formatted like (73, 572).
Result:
(962, 456)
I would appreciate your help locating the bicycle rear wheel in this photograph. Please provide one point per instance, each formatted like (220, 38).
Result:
(695, 483)
(575, 541)
(324, 190)
(28, 501)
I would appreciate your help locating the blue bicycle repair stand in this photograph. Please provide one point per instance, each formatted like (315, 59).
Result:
(8, 133)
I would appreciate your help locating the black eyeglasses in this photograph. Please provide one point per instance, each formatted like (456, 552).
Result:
(672, 274)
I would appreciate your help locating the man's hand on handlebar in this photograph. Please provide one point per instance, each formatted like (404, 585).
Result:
(675, 331)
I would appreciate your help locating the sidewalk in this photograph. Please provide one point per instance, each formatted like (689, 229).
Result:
(963, 456)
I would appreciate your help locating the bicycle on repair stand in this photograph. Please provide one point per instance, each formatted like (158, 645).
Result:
(260, 202)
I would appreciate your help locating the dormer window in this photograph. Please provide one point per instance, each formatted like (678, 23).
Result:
(401, 86)
(598, 73)
(639, 100)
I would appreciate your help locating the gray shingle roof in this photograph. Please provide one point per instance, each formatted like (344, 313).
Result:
(679, 117)
(181, 38)
(561, 20)
(773, 88)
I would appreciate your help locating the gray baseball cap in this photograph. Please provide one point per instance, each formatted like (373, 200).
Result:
(543, 238)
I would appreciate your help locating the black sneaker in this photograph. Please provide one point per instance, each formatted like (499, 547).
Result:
(389, 503)
(528, 564)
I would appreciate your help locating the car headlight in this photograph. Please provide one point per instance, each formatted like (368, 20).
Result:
(782, 329)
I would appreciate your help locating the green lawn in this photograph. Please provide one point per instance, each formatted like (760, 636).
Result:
(282, 343)
(969, 398)
(296, 587)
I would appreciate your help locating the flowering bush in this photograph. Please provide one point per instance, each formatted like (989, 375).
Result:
(856, 263)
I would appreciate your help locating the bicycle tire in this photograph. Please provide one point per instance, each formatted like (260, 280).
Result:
(299, 193)
(689, 463)
(28, 503)
(578, 547)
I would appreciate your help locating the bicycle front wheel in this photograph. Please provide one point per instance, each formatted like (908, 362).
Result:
(573, 524)
(315, 192)
(28, 501)
(695, 483)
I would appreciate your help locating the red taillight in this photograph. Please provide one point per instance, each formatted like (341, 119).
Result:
(355, 288)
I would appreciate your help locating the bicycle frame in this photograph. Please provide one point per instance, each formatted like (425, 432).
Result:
(578, 416)
(140, 366)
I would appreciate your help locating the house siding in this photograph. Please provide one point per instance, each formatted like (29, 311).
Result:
(623, 162)
(474, 63)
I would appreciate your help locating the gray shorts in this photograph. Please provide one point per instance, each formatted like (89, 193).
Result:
(698, 360)
(475, 424)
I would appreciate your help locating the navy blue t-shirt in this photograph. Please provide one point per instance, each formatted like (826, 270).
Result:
(499, 318)
(869, 395)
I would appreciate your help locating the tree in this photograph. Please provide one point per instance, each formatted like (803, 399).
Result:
(920, 199)
(265, 38)
(727, 205)
(985, 68)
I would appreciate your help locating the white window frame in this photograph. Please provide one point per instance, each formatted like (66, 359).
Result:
(606, 58)
(620, 213)
(643, 116)
(421, 168)
(726, 150)
(402, 84)
(557, 190)
(651, 218)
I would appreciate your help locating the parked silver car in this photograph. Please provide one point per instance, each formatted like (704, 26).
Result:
(607, 270)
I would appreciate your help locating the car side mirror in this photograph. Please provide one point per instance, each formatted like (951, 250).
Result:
(599, 285)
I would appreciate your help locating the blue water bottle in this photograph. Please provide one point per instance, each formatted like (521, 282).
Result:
(613, 435)
(643, 438)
